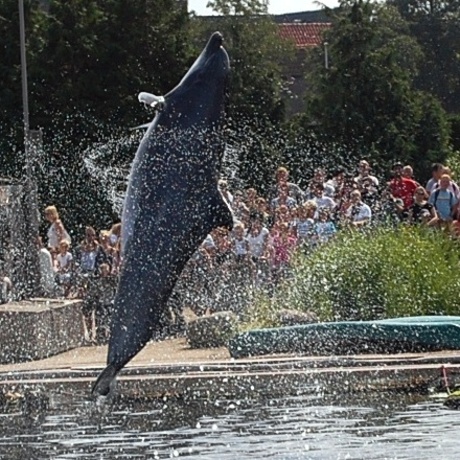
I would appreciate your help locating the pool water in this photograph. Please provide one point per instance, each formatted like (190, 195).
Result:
(379, 426)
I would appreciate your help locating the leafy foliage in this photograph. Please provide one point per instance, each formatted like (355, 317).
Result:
(366, 97)
(87, 60)
(387, 273)
(255, 50)
(436, 27)
(256, 106)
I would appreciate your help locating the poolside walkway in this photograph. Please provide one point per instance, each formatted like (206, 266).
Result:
(171, 367)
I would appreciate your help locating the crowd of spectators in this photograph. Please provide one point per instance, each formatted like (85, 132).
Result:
(87, 271)
(268, 228)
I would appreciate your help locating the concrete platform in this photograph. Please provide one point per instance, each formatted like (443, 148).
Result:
(171, 368)
(39, 328)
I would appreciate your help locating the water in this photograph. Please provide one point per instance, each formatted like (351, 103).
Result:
(305, 427)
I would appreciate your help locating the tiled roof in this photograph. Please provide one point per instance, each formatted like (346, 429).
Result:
(304, 35)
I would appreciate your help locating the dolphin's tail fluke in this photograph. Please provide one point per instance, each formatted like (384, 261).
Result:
(104, 382)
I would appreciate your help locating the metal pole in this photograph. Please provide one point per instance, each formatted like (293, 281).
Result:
(31, 272)
(25, 93)
(326, 55)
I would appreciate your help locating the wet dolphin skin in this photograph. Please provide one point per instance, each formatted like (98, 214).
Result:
(172, 202)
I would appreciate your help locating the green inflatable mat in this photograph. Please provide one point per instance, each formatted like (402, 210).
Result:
(399, 335)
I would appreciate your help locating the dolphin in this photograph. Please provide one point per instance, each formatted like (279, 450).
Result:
(172, 202)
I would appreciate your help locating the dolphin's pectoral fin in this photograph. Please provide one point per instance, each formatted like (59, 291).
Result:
(221, 214)
(151, 100)
(144, 126)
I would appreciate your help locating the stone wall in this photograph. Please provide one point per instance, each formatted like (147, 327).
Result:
(39, 328)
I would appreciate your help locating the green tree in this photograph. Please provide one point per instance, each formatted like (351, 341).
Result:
(432, 134)
(366, 98)
(11, 108)
(87, 60)
(255, 103)
(436, 26)
(96, 56)
(256, 49)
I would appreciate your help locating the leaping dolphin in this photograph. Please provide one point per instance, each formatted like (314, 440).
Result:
(172, 202)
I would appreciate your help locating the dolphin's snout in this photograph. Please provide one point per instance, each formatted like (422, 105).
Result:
(215, 42)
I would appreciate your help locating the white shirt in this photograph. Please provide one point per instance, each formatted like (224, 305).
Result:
(240, 246)
(53, 237)
(46, 270)
(325, 202)
(364, 212)
(359, 179)
(63, 260)
(256, 242)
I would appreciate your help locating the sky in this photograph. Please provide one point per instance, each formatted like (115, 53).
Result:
(275, 6)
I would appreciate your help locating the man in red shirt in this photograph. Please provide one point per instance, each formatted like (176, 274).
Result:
(402, 187)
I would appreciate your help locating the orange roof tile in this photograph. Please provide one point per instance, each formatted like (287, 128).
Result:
(304, 35)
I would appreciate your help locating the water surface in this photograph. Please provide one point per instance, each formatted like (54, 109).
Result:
(305, 427)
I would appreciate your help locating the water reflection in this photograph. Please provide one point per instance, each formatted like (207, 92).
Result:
(383, 427)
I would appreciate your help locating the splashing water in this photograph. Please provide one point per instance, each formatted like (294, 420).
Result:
(109, 163)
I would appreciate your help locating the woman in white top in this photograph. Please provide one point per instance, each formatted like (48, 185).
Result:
(257, 238)
(56, 231)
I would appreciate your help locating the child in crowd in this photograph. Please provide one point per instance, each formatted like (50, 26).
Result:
(106, 286)
(64, 266)
(324, 228)
(284, 244)
(240, 246)
(56, 231)
(258, 239)
(305, 223)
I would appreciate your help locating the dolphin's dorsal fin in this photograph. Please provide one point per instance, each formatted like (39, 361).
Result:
(150, 100)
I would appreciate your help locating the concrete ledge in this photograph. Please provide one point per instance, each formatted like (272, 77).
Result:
(39, 328)
(171, 368)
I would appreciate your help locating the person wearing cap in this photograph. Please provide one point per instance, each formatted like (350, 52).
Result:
(402, 187)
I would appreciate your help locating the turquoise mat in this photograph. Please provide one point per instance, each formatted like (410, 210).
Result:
(398, 335)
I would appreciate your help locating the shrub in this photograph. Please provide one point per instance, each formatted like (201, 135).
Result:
(380, 273)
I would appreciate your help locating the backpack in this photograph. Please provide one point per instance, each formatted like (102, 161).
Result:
(451, 198)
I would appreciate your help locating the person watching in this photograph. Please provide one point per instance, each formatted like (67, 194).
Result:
(444, 200)
(402, 187)
(422, 212)
(437, 170)
(358, 213)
